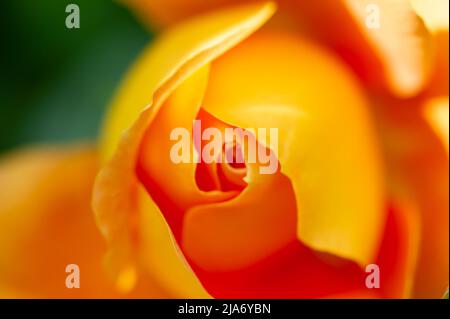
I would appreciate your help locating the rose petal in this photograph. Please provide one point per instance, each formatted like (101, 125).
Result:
(397, 258)
(439, 80)
(46, 224)
(436, 112)
(163, 13)
(163, 263)
(295, 271)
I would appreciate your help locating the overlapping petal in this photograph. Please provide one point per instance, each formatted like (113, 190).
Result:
(46, 224)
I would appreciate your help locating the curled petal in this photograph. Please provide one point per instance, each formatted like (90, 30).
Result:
(385, 41)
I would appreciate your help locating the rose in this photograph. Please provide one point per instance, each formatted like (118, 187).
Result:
(46, 224)
(352, 188)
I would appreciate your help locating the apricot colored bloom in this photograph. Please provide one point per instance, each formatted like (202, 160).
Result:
(362, 154)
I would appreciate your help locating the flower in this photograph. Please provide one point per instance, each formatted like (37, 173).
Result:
(356, 123)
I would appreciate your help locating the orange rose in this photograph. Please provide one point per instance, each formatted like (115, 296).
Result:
(360, 179)
(363, 169)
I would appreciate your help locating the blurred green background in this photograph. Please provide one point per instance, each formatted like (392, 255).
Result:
(56, 82)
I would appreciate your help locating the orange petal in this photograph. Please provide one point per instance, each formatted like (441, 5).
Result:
(327, 146)
(295, 271)
(244, 230)
(356, 294)
(399, 250)
(434, 13)
(439, 81)
(175, 181)
(46, 224)
(176, 58)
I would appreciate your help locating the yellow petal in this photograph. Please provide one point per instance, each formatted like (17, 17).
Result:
(171, 67)
(46, 224)
(326, 142)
